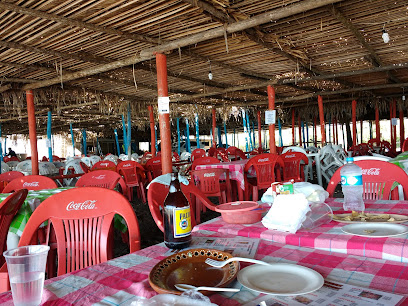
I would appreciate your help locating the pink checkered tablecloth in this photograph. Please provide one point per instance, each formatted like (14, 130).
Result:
(328, 237)
(125, 279)
(236, 169)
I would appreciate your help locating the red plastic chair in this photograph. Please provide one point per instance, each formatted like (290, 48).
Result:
(222, 154)
(56, 158)
(157, 193)
(378, 179)
(44, 159)
(8, 209)
(10, 175)
(386, 149)
(102, 178)
(84, 167)
(267, 167)
(197, 153)
(204, 161)
(175, 156)
(208, 181)
(10, 158)
(133, 174)
(82, 219)
(153, 167)
(293, 166)
(30, 182)
(235, 153)
(104, 165)
(405, 145)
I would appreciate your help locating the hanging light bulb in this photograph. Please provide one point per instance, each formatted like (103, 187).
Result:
(385, 36)
(210, 75)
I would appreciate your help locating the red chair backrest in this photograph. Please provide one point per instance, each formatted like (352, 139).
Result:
(84, 167)
(11, 158)
(175, 156)
(378, 178)
(222, 153)
(293, 168)
(56, 158)
(44, 158)
(405, 145)
(104, 165)
(10, 175)
(130, 169)
(236, 152)
(157, 193)
(268, 168)
(102, 178)
(8, 209)
(82, 219)
(372, 142)
(30, 182)
(211, 151)
(208, 181)
(197, 153)
(204, 161)
(154, 167)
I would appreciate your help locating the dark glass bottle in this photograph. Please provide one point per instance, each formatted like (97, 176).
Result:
(177, 217)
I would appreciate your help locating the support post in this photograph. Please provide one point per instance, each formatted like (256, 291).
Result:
(214, 123)
(303, 134)
(293, 126)
(164, 116)
(225, 132)
(73, 140)
(280, 132)
(188, 136)
(1, 151)
(129, 133)
(361, 131)
(321, 116)
(315, 131)
(258, 114)
(394, 127)
(271, 106)
(117, 141)
(32, 131)
(353, 117)
(402, 131)
(178, 136)
(152, 131)
(124, 135)
(49, 136)
(197, 131)
(377, 125)
(307, 134)
(84, 141)
(300, 131)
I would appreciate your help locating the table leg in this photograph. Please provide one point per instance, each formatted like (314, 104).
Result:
(240, 192)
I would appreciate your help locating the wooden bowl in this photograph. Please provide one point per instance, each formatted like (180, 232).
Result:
(188, 267)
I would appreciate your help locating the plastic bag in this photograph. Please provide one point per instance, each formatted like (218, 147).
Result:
(188, 298)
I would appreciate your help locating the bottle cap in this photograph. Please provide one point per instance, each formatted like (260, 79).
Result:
(349, 159)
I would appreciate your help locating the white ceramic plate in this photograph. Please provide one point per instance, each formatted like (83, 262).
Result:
(398, 219)
(280, 279)
(375, 230)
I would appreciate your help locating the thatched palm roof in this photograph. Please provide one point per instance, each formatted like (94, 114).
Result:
(85, 60)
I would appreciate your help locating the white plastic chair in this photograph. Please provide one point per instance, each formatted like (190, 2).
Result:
(12, 164)
(74, 163)
(24, 167)
(340, 153)
(94, 159)
(87, 161)
(329, 162)
(124, 157)
(4, 167)
(112, 158)
(185, 156)
(47, 168)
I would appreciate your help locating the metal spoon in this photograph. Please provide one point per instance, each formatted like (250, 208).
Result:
(185, 287)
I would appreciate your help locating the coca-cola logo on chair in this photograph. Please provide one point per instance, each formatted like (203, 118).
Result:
(263, 160)
(209, 174)
(88, 204)
(104, 164)
(290, 156)
(32, 184)
(371, 171)
(99, 177)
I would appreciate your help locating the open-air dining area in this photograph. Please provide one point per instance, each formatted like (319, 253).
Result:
(203, 152)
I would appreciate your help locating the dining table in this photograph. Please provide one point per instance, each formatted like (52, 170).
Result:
(124, 280)
(329, 237)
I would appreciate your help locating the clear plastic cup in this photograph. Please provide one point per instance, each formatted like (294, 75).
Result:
(26, 269)
(319, 214)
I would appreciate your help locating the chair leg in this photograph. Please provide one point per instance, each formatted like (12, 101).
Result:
(142, 192)
(198, 210)
(255, 194)
(223, 197)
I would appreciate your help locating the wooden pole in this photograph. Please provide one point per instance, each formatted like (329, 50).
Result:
(361, 131)
(271, 106)
(300, 131)
(315, 131)
(32, 132)
(394, 128)
(164, 116)
(402, 131)
(259, 130)
(377, 126)
(152, 131)
(353, 117)
(337, 133)
(214, 124)
(321, 116)
(293, 126)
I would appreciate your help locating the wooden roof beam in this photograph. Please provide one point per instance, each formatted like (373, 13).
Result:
(148, 53)
(373, 56)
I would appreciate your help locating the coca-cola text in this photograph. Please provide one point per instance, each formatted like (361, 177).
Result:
(88, 204)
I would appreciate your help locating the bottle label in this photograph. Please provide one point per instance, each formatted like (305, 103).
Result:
(181, 222)
(352, 180)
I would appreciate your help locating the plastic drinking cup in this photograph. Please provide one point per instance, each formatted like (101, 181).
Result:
(319, 214)
(26, 269)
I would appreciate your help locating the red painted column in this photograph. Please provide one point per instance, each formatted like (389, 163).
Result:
(164, 118)
(214, 123)
(394, 128)
(315, 131)
(271, 106)
(32, 130)
(402, 131)
(293, 126)
(353, 118)
(300, 131)
(377, 126)
(259, 130)
(152, 131)
(321, 116)
(361, 130)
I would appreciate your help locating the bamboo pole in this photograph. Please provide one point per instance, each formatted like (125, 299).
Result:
(32, 131)
(271, 106)
(377, 125)
(214, 123)
(321, 116)
(402, 131)
(353, 117)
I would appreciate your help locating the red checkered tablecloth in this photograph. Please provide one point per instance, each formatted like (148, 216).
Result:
(236, 170)
(328, 237)
(125, 279)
